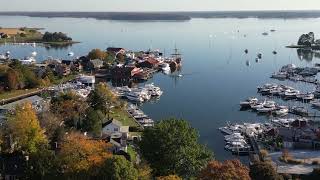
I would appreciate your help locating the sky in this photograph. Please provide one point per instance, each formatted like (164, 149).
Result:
(157, 5)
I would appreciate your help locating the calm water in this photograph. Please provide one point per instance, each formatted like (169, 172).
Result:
(216, 76)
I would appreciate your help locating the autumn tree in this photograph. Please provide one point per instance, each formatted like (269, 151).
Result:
(263, 170)
(97, 54)
(70, 107)
(50, 122)
(144, 171)
(227, 170)
(118, 168)
(23, 129)
(80, 155)
(13, 79)
(172, 147)
(170, 177)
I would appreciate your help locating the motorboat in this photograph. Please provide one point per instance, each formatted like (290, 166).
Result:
(280, 75)
(28, 60)
(259, 55)
(132, 96)
(248, 102)
(315, 103)
(281, 111)
(265, 110)
(153, 90)
(265, 33)
(302, 111)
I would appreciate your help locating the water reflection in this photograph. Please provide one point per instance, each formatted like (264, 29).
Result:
(307, 54)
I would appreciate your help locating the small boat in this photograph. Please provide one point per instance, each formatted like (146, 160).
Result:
(265, 34)
(34, 53)
(265, 109)
(274, 52)
(134, 97)
(28, 60)
(302, 111)
(272, 30)
(248, 102)
(315, 103)
(247, 62)
(280, 75)
(246, 51)
(281, 111)
(70, 54)
(259, 55)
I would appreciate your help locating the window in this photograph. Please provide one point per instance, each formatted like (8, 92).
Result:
(116, 129)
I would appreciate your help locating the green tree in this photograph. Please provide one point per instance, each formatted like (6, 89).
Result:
(263, 170)
(172, 147)
(118, 168)
(93, 121)
(101, 98)
(97, 54)
(42, 165)
(24, 130)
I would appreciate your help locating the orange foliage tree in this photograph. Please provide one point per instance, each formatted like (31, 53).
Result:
(79, 154)
(228, 170)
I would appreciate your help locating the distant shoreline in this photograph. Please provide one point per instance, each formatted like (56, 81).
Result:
(171, 16)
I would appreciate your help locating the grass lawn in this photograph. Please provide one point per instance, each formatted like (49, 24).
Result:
(124, 117)
(11, 94)
(20, 92)
(132, 153)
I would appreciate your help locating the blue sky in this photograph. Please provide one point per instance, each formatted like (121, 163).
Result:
(156, 5)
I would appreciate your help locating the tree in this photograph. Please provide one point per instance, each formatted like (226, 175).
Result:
(144, 171)
(171, 147)
(42, 165)
(260, 170)
(50, 122)
(118, 168)
(170, 177)
(12, 79)
(80, 155)
(97, 54)
(24, 130)
(70, 107)
(228, 170)
(93, 121)
(101, 98)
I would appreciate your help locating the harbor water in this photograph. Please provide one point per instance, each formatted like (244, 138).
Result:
(216, 73)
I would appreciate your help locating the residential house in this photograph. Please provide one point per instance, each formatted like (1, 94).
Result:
(149, 63)
(114, 127)
(116, 50)
(120, 72)
(62, 70)
(117, 133)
